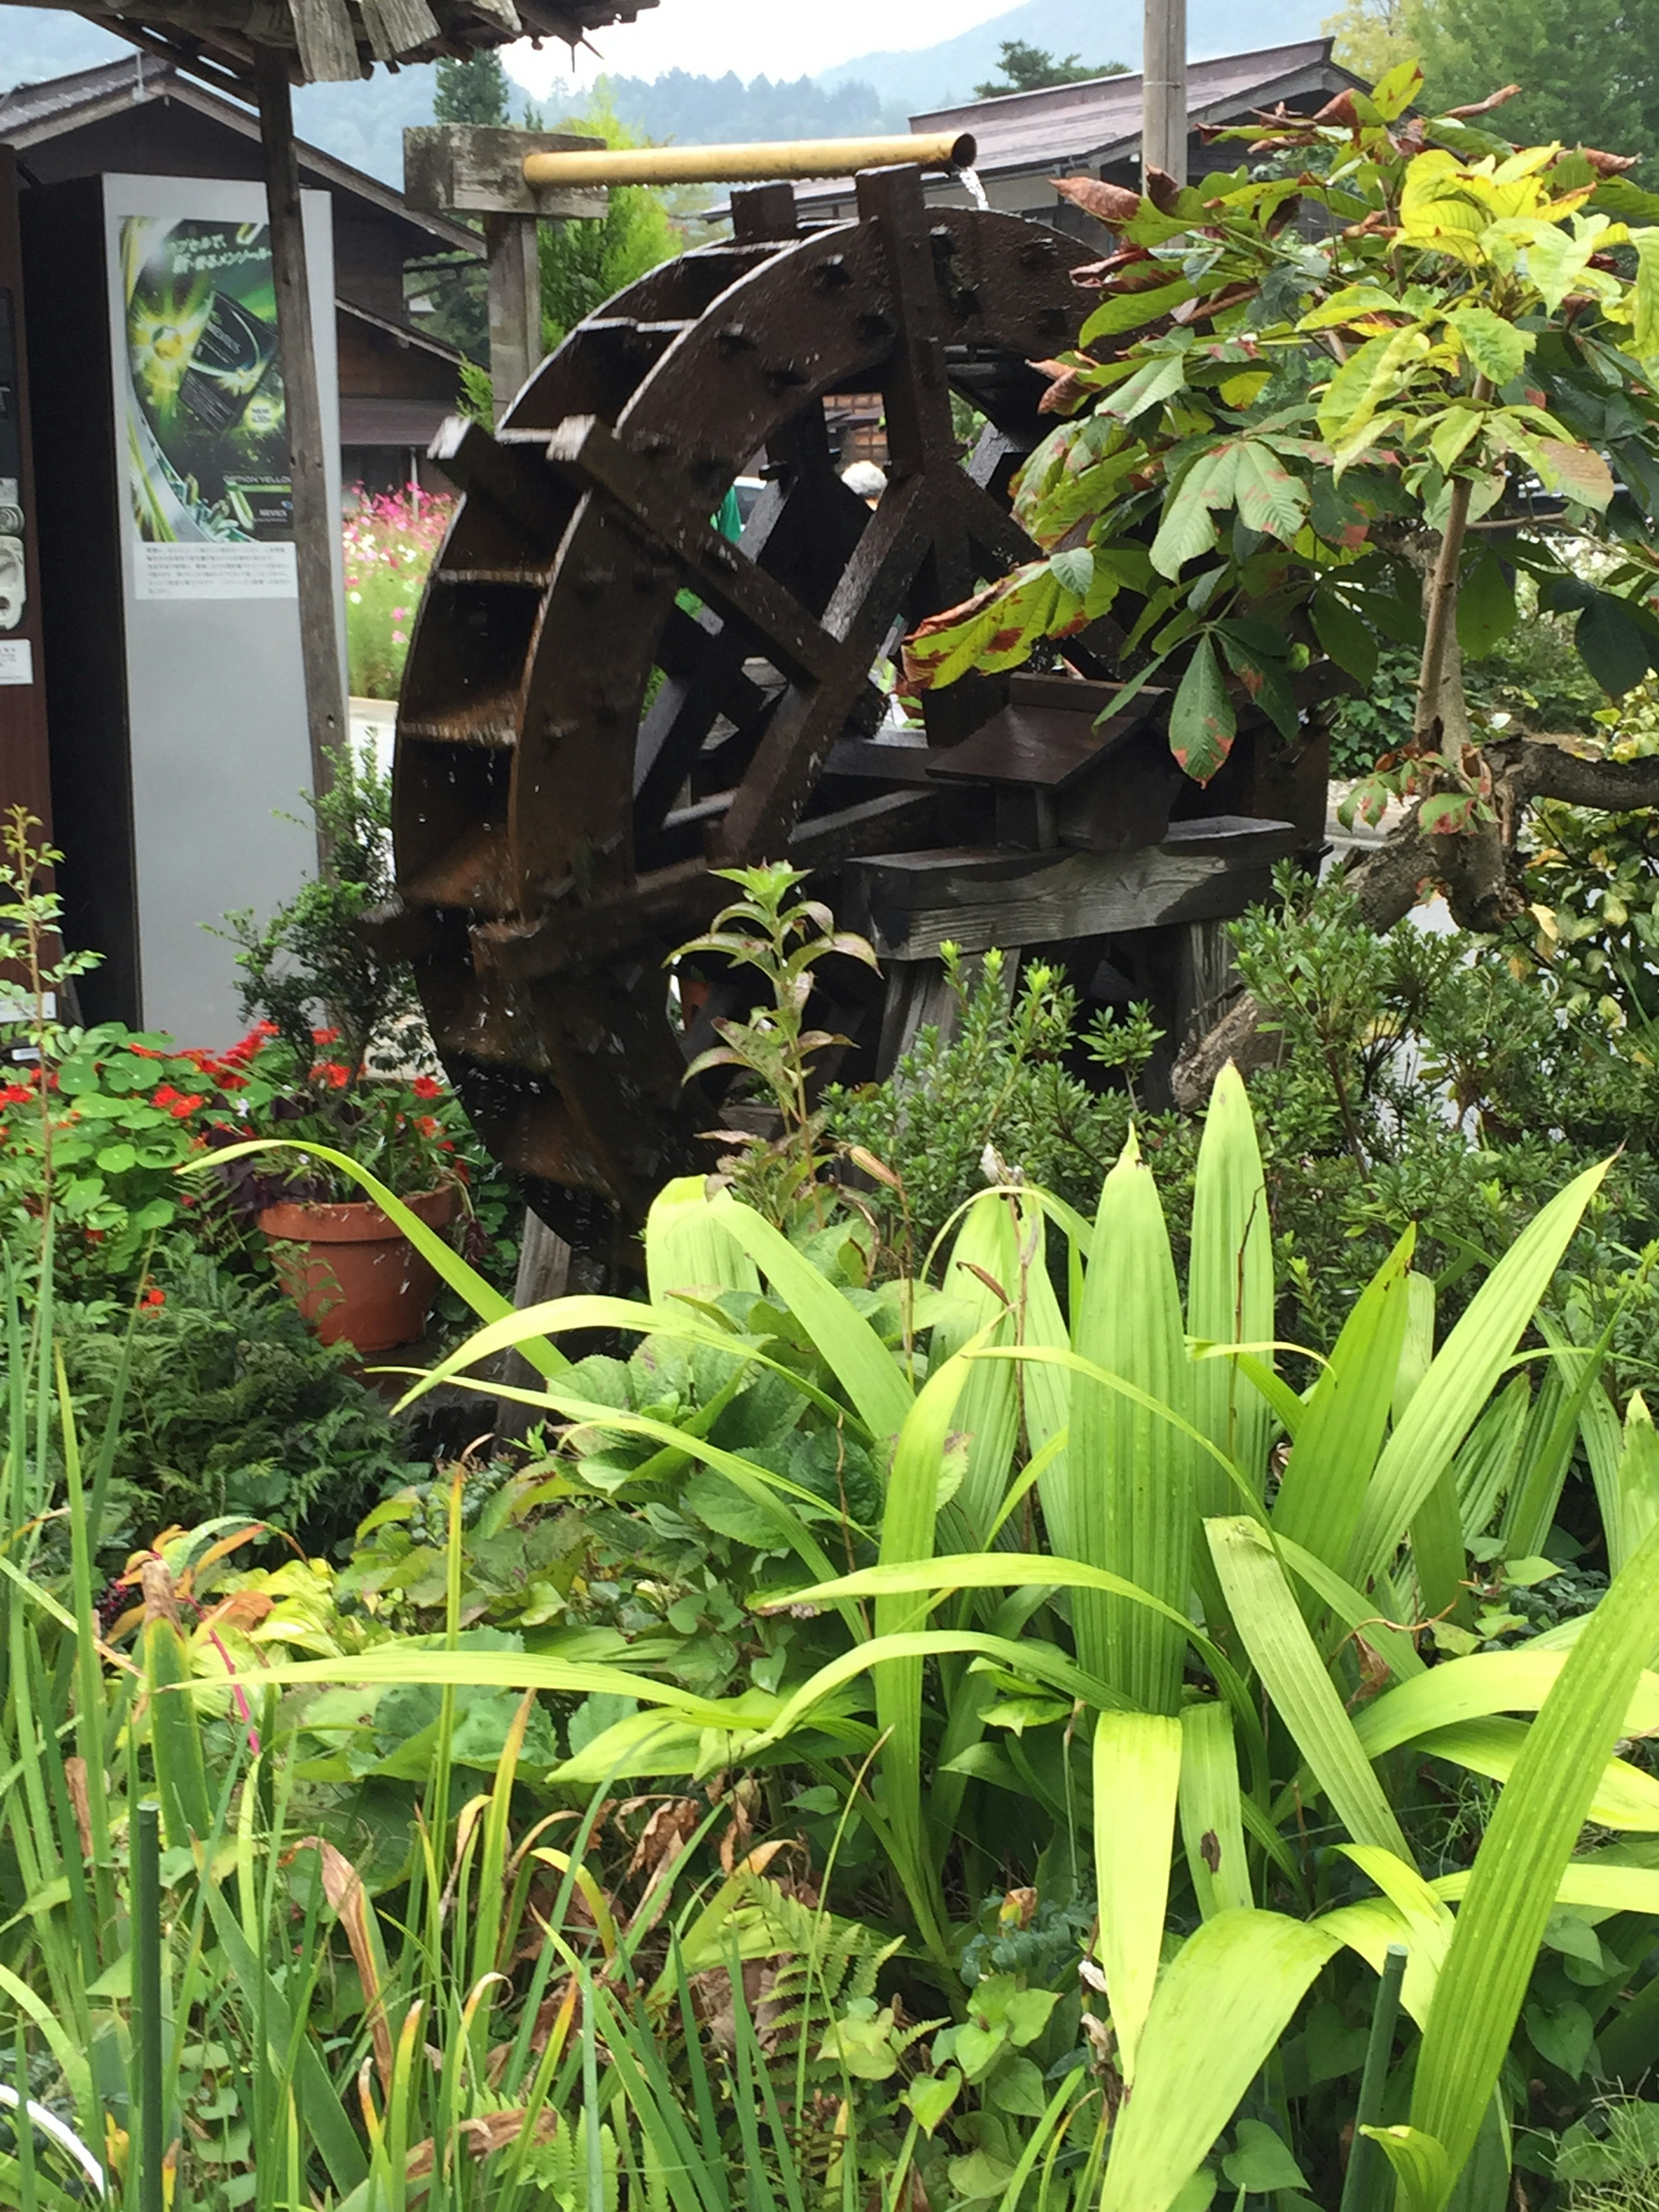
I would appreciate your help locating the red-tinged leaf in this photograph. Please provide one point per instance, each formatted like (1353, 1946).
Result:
(1112, 204)
(1578, 471)
(1447, 813)
(1483, 106)
(1202, 725)
(1608, 165)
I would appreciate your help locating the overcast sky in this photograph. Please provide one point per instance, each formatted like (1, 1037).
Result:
(770, 38)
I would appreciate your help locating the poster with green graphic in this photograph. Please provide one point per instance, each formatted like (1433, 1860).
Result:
(207, 440)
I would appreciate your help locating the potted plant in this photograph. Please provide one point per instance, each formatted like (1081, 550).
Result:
(356, 1081)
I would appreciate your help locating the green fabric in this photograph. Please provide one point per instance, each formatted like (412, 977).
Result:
(729, 520)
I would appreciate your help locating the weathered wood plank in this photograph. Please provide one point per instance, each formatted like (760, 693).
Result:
(478, 168)
(911, 903)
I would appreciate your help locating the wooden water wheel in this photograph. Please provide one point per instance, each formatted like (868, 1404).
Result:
(604, 698)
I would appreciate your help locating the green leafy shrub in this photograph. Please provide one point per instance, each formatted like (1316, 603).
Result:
(228, 1406)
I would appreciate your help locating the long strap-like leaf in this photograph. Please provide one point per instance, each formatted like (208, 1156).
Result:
(1522, 1857)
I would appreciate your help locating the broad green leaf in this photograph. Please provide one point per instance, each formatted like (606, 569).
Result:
(1212, 1824)
(1486, 607)
(1484, 1469)
(1627, 1798)
(1393, 93)
(1137, 1770)
(1202, 724)
(1638, 1479)
(844, 1340)
(1187, 527)
(907, 1536)
(1522, 1857)
(1379, 369)
(1497, 348)
(1285, 1656)
(1614, 648)
(1468, 1689)
(1131, 311)
(1644, 296)
(1343, 636)
(1323, 1491)
(1352, 302)
(688, 1247)
(987, 1413)
(1220, 2007)
(1458, 1384)
(1356, 1614)
(1420, 2166)
(1230, 1289)
(1134, 1509)
(1261, 2163)
(1578, 470)
(1270, 498)
(1158, 379)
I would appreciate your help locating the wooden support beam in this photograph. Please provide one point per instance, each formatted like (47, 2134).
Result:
(909, 904)
(1163, 89)
(316, 524)
(515, 305)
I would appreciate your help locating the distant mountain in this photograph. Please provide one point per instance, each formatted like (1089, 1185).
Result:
(703, 110)
(939, 75)
(364, 123)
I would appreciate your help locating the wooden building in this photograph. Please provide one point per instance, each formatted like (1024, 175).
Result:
(144, 117)
(1093, 129)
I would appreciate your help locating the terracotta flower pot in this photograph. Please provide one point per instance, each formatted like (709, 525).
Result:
(353, 1274)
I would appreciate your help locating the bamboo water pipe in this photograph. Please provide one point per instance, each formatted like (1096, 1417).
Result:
(737, 164)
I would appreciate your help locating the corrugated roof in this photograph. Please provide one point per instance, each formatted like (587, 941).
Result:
(1070, 122)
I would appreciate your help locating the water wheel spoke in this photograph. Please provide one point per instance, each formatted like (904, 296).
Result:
(715, 569)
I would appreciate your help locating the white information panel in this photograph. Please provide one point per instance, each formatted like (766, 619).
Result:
(215, 687)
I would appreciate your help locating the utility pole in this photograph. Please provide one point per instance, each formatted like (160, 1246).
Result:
(1163, 89)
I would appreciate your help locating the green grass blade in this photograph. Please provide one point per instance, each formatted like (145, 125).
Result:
(1134, 1491)
(1465, 1371)
(688, 1248)
(1485, 1682)
(906, 1536)
(1323, 1491)
(1230, 1287)
(1219, 2009)
(1137, 1774)
(1211, 1821)
(987, 1412)
(1484, 1469)
(1285, 1656)
(845, 1341)
(1522, 1858)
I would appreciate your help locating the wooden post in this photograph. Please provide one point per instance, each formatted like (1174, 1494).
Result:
(515, 305)
(316, 524)
(1163, 89)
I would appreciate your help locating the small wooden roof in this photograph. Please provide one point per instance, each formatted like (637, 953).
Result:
(335, 41)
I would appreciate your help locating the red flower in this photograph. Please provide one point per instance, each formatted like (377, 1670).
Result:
(427, 1124)
(332, 1073)
(181, 1104)
(324, 1037)
(154, 1296)
(145, 1052)
(426, 1086)
(16, 1094)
